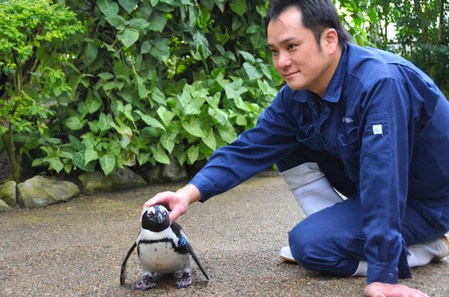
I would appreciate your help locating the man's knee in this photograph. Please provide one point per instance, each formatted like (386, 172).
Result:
(306, 247)
(316, 250)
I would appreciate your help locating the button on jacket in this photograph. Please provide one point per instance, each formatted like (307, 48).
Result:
(383, 117)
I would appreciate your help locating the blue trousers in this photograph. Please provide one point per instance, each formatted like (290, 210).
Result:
(331, 240)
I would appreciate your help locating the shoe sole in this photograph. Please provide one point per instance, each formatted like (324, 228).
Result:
(440, 259)
(446, 240)
(288, 259)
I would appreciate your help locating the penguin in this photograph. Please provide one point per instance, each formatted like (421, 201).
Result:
(162, 248)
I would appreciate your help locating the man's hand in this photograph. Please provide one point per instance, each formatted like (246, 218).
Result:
(377, 289)
(176, 202)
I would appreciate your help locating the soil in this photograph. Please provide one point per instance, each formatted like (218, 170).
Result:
(76, 248)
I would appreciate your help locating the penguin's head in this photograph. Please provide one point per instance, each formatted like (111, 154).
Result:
(156, 218)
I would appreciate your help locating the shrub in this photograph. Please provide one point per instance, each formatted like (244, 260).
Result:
(33, 36)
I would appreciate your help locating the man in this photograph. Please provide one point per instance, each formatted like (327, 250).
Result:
(362, 121)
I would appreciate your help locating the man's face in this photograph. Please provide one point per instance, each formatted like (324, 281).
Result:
(296, 55)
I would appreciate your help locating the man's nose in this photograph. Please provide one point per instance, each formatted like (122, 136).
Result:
(284, 60)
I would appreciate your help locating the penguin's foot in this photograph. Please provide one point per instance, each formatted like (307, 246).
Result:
(184, 280)
(145, 284)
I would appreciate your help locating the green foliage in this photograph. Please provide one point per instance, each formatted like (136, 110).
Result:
(420, 34)
(434, 60)
(417, 30)
(356, 17)
(159, 81)
(163, 81)
(424, 38)
(32, 58)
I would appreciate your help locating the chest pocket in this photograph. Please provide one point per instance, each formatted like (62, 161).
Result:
(348, 138)
(308, 136)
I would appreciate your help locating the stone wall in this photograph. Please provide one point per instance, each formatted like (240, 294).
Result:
(39, 191)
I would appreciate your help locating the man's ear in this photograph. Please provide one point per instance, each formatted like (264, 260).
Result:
(329, 39)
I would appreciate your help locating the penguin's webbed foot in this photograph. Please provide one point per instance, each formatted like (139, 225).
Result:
(184, 280)
(145, 284)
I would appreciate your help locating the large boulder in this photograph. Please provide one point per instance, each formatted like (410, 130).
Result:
(126, 179)
(97, 182)
(166, 173)
(8, 192)
(41, 191)
(4, 206)
(174, 172)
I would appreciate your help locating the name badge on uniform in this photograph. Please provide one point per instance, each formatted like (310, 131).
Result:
(377, 129)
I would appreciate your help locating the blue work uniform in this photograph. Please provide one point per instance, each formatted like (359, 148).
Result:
(387, 124)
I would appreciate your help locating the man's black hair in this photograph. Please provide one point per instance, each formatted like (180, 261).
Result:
(317, 15)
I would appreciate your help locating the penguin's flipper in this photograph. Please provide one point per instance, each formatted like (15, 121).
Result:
(125, 261)
(197, 261)
(183, 243)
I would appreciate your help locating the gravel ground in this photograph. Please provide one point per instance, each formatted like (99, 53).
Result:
(76, 248)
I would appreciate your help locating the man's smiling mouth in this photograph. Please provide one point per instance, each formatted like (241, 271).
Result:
(290, 74)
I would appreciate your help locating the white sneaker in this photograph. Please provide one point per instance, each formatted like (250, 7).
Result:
(286, 255)
(441, 248)
(423, 253)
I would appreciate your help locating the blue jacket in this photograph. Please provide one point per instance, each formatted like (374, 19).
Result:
(388, 123)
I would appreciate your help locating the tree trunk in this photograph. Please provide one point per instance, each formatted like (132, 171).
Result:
(8, 140)
(425, 26)
(441, 23)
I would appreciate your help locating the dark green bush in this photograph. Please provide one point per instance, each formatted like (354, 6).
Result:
(33, 55)
(151, 82)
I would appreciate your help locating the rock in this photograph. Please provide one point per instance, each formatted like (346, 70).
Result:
(173, 173)
(166, 173)
(125, 178)
(41, 191)
(8, 192)
(152, 174)
(97, 182)
(4, 206)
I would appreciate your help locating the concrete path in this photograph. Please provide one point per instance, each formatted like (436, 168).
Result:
(76, 248)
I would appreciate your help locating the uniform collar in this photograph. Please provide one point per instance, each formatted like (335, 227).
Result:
(335, 86)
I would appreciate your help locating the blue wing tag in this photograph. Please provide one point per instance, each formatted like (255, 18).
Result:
(182, 241)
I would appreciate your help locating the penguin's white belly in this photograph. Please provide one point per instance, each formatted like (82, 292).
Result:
(160, 257)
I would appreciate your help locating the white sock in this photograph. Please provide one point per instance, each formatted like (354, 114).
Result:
(361, 269)
(311, 188)
(316, 196)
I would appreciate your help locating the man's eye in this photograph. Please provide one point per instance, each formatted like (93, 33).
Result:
(292, 46)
